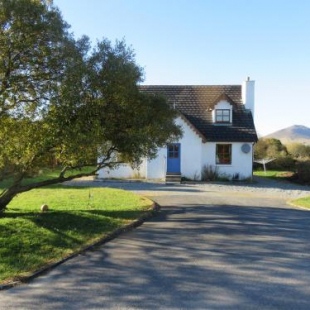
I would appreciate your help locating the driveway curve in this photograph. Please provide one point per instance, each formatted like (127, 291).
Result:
(213, 246)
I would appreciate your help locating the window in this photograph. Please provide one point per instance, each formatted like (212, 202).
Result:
(173, 150)
(222, 116)
(223, 154)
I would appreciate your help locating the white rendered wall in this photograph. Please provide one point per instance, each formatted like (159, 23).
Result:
(191, 146)
(241, 162)
(123, 172)
(190, 156)
(156, 168)
(194, 155)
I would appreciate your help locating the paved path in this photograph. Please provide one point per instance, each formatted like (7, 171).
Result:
(209, 248)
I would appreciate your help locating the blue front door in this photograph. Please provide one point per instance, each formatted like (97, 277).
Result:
(174, 157)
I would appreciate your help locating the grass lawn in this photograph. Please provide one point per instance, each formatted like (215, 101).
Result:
(302, 202)
(274, 174)
(30, 239)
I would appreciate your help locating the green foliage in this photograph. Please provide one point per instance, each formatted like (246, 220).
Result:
(269, 148)
(63, 102)
(282, 163)
(293, 157)
(31, 239)
(112, 114)
(303, 172)
(274, 174)
(33, 38)
(273, 148)
(209, 173)
(299, 150)
(33, 45)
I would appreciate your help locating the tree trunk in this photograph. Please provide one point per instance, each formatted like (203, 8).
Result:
(5, 198)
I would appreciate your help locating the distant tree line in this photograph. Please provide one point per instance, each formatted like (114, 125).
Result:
(293, 157)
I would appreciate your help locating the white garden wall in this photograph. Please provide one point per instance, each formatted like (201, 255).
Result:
(123, 172)
(156, 168)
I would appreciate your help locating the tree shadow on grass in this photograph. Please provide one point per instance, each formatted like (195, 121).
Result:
(86, 221)
(34, 239)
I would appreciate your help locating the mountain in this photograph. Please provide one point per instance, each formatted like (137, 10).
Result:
(293, 134)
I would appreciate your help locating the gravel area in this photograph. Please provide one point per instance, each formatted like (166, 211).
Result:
(263, 186)
(259, 186)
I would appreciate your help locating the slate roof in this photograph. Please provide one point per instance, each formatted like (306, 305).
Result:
(196, 103)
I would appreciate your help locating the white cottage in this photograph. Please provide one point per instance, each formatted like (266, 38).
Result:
(218, 133)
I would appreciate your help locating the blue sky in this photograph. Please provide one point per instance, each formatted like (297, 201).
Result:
(213, 42)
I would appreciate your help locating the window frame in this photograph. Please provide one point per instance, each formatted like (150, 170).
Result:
(220, 118)
(174, 150)
(223, 156)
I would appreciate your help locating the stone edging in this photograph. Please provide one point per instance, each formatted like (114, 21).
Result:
(153, 211)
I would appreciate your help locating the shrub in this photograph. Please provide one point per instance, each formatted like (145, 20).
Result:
(303, 172)
(209, 173)
(282, 163)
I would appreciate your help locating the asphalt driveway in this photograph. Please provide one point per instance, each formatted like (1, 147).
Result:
(207, 249)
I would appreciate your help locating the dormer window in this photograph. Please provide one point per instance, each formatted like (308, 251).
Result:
(222, 116)
(222, 112)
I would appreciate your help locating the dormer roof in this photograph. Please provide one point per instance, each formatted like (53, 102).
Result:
(223, 97)
(196, 102)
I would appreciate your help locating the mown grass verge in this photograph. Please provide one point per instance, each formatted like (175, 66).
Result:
(31, 239)
(302, 202)
(274, 174)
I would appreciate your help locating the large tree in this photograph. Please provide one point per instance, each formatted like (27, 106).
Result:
(269, 148)
(62, 100)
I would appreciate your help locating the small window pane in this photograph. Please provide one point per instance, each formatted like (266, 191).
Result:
(222, 116)
(223, 154)
(173, 151)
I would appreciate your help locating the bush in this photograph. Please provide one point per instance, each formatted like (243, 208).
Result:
(303, 172)
(286, 163)
(209, 173)
(282, 163)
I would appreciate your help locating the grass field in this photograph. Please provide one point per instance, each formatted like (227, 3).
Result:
(76, 217)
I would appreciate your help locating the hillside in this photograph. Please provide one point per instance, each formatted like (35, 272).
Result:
(293, 134)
